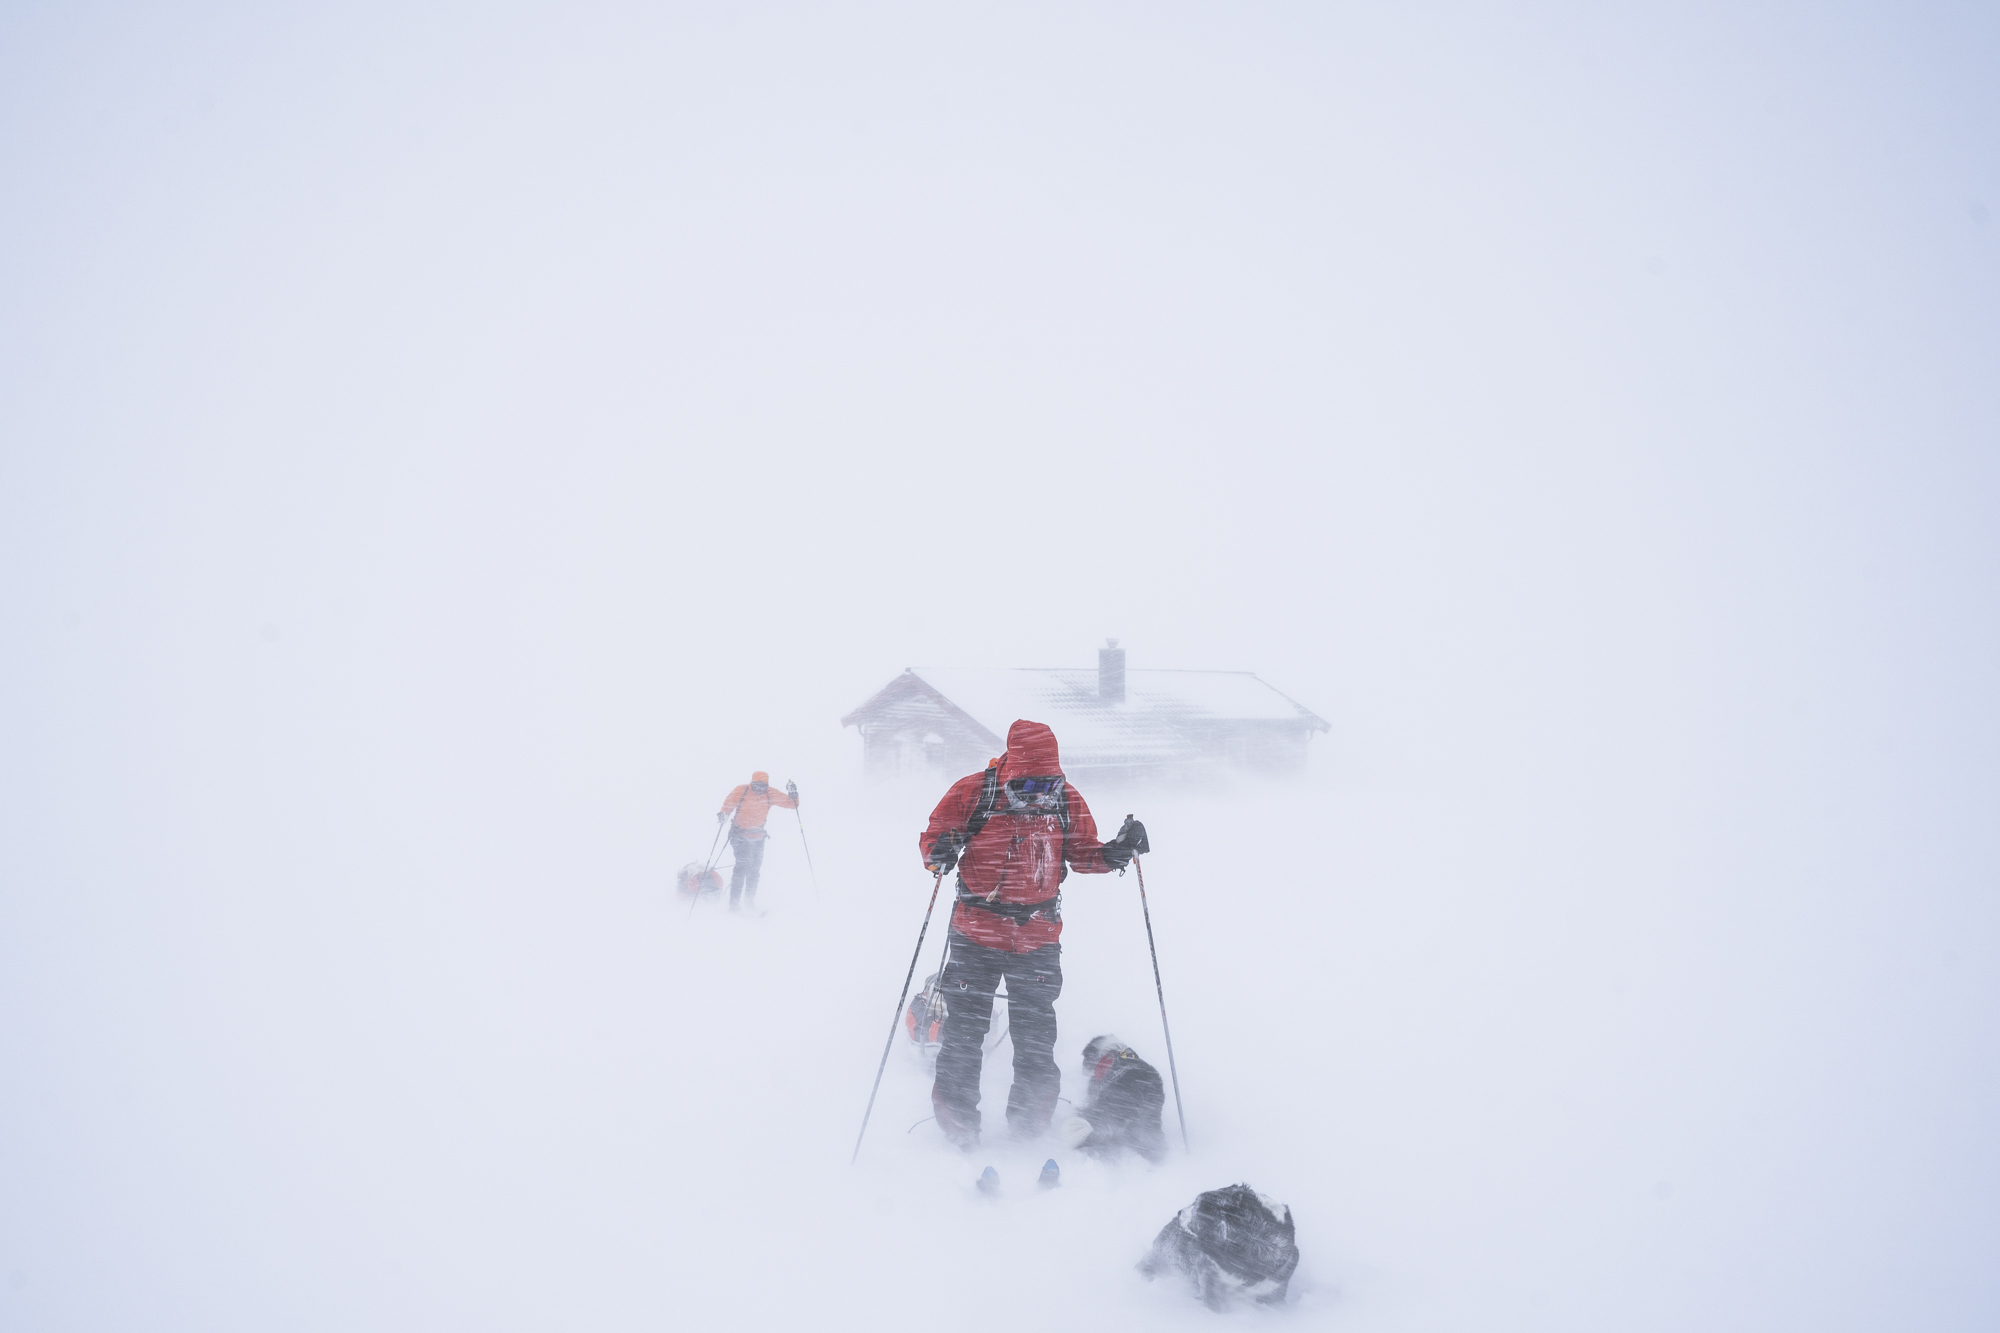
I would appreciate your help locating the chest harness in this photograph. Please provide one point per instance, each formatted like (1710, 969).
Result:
(982, 810)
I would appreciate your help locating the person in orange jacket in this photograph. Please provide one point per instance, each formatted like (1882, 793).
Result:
(751, 805)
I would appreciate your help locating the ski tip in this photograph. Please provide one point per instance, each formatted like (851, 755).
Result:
(1051, 1175)
(989, 1181)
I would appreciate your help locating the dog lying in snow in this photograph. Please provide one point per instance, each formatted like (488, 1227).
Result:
(1121, 1103)
(1232, 1244)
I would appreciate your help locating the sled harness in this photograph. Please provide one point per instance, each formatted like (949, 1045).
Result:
(982, 810)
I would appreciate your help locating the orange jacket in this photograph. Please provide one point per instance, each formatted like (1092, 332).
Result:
(752, 807)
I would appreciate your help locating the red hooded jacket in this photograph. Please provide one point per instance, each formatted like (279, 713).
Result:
(1019, 856)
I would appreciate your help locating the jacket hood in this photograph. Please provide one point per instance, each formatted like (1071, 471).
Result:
(760, 776)
(1031, 752)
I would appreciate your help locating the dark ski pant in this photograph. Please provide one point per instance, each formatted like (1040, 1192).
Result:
(749, 864)
(1034, 980)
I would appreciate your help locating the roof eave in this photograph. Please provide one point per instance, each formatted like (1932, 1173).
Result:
(911, 682)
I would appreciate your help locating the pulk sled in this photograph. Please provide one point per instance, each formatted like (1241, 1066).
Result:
(714, 850)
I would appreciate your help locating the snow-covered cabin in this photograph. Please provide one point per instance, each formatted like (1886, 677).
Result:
(1112, 724)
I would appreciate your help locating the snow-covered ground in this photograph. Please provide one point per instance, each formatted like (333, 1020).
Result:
(498, 1077)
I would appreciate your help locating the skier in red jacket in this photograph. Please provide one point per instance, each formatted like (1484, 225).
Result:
(1013, 833)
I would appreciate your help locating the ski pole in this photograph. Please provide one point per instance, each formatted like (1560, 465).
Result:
(808, 846)
(897, 1021)
(694, 901)
(714, 850)
(1172, 1068)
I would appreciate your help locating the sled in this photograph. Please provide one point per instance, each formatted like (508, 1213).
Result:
(697, 881)
(923, 1021)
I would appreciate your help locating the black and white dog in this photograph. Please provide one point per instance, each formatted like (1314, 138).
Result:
(1121, 1103)
(1232, 1244)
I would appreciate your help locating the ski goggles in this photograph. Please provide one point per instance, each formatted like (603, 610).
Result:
(1035, 786)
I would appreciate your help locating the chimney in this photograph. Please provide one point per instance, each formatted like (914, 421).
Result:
(1111, 672)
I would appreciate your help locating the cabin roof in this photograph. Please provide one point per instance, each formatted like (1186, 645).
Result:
(1162, 713)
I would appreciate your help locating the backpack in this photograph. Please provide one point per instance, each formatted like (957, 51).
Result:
(695, 879)
(1122, 1103)
(982, 810)
(1232, 1244)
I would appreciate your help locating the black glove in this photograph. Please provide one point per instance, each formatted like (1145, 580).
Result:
(1131, 840)
(1133, 834)
(721, 815)
(944, 853)
(792, 790)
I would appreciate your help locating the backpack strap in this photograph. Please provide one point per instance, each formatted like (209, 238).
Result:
(982, 809)
(989, 800)
(1062, 814)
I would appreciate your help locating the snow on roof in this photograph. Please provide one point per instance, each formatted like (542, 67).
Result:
(1150, 725)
